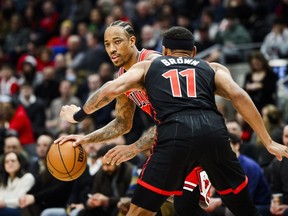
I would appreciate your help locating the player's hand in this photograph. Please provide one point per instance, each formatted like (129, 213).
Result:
(278, 150)
(75, 138)
(67, 112)
(121, 153)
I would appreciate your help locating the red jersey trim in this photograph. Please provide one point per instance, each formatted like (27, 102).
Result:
(237, 190)
(158, 190)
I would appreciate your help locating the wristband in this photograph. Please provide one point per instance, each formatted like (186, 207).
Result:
(80, 115)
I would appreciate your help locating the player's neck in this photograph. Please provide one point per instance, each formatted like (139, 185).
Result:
(132, 60)
(178, 53)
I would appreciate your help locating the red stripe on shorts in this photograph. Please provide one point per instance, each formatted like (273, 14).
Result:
(158, 190)
(235, 191)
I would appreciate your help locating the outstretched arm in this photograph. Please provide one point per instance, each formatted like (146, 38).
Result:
(132, 79)
(227, 88)
(122, 153)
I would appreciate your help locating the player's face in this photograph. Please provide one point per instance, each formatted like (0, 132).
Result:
(119, 46)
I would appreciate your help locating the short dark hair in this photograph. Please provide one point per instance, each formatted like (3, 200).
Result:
(178, 37)
(178, 33)
(126, 27)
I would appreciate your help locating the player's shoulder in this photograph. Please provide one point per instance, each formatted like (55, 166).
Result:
(146, 54)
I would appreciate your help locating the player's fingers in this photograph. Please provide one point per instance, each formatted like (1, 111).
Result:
(59, 139)
(279, 157)
(109, 153)
(66, 138)
(115, 159)
(77, 143)
(119, 161)
(110, 156)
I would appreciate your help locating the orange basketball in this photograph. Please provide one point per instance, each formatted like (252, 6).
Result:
(65, 162)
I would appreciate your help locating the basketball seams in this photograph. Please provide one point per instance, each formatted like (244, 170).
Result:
(56, 155)
(63, 163)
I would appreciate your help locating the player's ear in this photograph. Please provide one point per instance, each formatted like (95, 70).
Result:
(132, 40)
(194, 51)
(164, 51)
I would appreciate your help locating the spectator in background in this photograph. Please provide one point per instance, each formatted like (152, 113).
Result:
(275, 44)
(13, 144)
(96, 21)
(204, 42)
(183, 19)
(279, 179)
(47, 192)
(15, 116)
(60, 67)
(66, 97)
(118, 13)
(142, 16)
(38, 164)
(58, 43)
(45, 59)
(16, 39)
(82, 31)
(30, 20)
(32, 50)
(77, 11)
(272, 119)
(260, 82)
(34, 107)
(110, 183)
(93, 57)
(242, 10)
(29, 73)
(48, 89)
(261, 22)
(230, 35)
(14, 182)
(281, 10)
(247, 148)
(150, 38)
(218, 9)
(8, 82)
(49, 20)
(74, 53)
(207, 19)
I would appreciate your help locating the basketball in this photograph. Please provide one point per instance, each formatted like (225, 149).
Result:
(66, 162)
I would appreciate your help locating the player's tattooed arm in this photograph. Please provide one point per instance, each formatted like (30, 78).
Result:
(93, 103)
(122, 153)
(124, 111)
(147, 139)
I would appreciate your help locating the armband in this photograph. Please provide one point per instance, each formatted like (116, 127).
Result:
(80, 115)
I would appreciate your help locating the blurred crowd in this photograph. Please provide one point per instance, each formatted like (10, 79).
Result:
(52, 54)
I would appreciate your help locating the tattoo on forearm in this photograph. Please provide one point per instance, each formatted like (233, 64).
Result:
(120, 125)
(146, 140)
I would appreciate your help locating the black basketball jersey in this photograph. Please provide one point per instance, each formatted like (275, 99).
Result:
(179, 84)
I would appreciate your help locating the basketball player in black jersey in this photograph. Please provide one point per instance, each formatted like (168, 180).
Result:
(190, 130)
